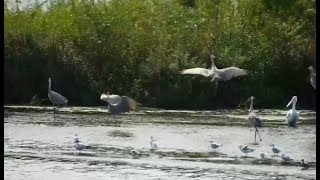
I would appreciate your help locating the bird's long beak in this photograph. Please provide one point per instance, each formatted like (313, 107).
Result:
(290, 103)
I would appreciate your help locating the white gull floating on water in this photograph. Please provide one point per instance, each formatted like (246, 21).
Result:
(154, 145)
(79, 146)
(214, 146)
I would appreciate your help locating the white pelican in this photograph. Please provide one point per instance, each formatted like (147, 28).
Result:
(254, 120)
(293, 115)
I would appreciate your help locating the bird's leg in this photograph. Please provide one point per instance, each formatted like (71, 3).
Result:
(255, 136)
(54, 113)
(257, 131)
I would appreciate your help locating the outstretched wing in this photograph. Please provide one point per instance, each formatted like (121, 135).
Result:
(199, 71)
(128, 104)
(235, 72)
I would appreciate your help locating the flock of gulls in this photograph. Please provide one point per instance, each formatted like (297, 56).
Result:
(120, 104)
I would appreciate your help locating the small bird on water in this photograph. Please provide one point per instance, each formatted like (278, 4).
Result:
(224, 74)
(245, 149)
(214, 146)
(275, 149)
(263, 155)
(79, 146)
(304, 164)
(286, 158)
(154, 145)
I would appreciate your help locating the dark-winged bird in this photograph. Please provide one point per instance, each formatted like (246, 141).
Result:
(119, 104)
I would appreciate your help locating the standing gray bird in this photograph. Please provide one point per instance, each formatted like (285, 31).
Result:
(224, 74)
(119, 104)
(275, 149)
(313, 79)
(56, 99)
(254, 120)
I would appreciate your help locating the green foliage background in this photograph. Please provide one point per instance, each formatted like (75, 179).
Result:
(138, 48)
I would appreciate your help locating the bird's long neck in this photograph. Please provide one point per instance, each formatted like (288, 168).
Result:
(251, 106)
(49, 87)
(213, 66)
(293, 106)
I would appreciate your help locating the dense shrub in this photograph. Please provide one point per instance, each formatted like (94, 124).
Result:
(139, 47)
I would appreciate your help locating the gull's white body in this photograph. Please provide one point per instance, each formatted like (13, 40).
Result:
(154, 145)
(275, 149)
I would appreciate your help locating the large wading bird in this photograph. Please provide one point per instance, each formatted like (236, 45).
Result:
(56, 99)
(254, 120)
(293, 115)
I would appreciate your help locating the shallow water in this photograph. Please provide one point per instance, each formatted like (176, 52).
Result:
(38, 148)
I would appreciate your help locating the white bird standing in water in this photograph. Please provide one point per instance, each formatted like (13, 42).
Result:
(224, 74)
(214, 146)
(293, 115)
(275, 149)
(154, 145)
(119, 104)
(254, 120)
(245, 149)
(313, 79)
(56, 99)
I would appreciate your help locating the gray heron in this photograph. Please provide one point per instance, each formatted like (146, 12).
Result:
(56, 99)
(119, 104)
(254, 120)
(313, 79)
(224, 74)
(292, 115)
